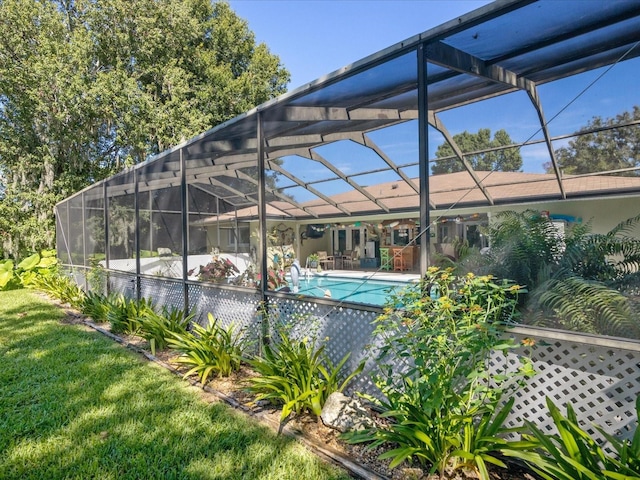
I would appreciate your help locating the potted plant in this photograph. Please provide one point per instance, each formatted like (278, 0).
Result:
(312, 260)
(218, 270)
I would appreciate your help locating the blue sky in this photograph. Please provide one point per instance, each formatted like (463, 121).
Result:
(316, 37)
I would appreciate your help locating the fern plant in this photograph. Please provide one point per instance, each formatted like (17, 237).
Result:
(576, 281)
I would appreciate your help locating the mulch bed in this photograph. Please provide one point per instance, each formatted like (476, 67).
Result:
(362, 461)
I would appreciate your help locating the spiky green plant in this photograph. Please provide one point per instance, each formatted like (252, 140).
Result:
(156, 327)
(124, 314)
(573, 454)
(95, 306)
(443, 403)
(211, 350)
(61, 287)
(298, 375)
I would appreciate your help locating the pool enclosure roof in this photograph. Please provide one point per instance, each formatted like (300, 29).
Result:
(504, 47)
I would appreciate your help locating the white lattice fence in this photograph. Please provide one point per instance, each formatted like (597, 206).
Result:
(77, 274)
(346, 330)
(227, 305)
(162, 292)
(599, 377)
(124, 283)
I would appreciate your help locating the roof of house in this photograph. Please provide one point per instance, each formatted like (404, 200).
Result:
(447, 191)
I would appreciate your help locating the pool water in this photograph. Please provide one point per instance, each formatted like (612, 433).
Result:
(361, 290)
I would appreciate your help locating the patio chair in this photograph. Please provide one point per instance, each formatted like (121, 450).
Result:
(385, 259)
(348, 257)
(400, 260)
(325, 260)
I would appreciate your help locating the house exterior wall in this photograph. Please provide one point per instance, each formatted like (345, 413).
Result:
(603, 213)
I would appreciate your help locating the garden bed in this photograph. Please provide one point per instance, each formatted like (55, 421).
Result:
(362, 461)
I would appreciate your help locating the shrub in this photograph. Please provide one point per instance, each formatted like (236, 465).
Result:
(210, 350)
(29, 271)
(217, 270)
(156, 327)
(297, 375)
(61, 287)
(125, 314)
(572, 454)
(443, 404)
(95, 306)
(576, 279)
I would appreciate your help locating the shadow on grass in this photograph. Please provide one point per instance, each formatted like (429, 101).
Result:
(74, 404)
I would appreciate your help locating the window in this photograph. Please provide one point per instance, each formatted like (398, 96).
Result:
(244, 236)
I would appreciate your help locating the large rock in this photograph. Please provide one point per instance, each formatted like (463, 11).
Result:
(344, 413)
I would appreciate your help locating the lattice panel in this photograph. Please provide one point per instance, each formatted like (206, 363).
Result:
(230, 307)
(346, 330)
(122, 283)
(226, 305)
(77, 274)
(162, 292)
(600, 383)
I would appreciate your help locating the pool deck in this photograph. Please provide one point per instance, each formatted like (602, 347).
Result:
(363, 275)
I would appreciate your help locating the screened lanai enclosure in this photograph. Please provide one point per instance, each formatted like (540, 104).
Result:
(503, 142)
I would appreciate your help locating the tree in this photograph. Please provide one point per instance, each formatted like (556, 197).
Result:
(88, 87)
(606, 149)
(505, 160)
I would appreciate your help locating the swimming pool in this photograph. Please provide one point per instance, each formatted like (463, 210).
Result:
(361, 290)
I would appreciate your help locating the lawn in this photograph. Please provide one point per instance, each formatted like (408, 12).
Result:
(74, 404)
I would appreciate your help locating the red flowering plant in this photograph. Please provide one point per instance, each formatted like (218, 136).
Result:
(217, 270)
(275, 279)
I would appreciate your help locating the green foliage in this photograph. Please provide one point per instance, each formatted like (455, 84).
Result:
(297, 375)
(609, 149)
(627, 451)
(96, 277)
(523, 245)
(156, 327)
(99, 86)
(482, 440)
(29, 271)
(61, 287)
(433, 368)
(125, 314)
(572, 454)
(8, 280)
(213, 350)
(505, 160)
(576, 280)
(97, 305)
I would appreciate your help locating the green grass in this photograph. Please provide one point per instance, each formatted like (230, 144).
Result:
(75, 405)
